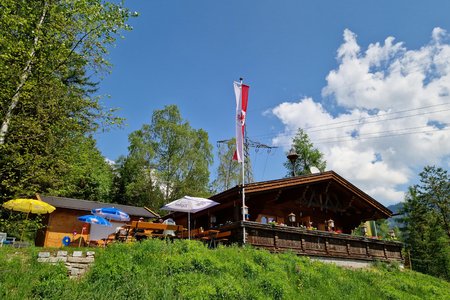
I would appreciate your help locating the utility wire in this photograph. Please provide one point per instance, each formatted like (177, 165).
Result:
(361, 120)
(348, 139)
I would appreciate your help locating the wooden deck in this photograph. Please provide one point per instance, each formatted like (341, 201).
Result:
(314, 242)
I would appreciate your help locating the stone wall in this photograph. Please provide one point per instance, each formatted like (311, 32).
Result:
(77, 263)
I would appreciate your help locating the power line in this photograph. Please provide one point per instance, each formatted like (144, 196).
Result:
(361, 120)
(348, 139)
(383, 120)
(248, 143)
(396, 131)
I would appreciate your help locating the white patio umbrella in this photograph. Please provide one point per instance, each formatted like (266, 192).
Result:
(190, 205)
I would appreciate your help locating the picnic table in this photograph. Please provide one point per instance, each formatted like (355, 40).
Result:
(212, 237)
(153, 230)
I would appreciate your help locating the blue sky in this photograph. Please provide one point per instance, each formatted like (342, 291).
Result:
(307, 64)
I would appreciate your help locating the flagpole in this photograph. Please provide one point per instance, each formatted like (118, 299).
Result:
(243, 182)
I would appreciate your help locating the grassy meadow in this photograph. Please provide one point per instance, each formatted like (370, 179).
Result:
(183, 269)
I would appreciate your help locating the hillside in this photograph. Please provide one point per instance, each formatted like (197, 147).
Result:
(187, 270)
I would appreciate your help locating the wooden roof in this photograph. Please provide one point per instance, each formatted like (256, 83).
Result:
(86, 205)
(292, 182)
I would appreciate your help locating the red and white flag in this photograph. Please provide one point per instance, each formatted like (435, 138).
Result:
(241, 92)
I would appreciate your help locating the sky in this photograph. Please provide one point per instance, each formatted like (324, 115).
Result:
(369, 81)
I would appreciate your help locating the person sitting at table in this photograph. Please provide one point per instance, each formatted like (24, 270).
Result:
(169, 221)
(139, 233)
(121, 233)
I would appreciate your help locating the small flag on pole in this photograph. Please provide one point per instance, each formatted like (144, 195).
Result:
(241, 93)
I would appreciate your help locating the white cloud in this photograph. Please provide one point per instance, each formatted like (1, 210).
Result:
(394, 108)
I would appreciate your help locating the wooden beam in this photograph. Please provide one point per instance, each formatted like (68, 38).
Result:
(327, 197)
(328, 186)
(311, 198)
(277, 196)
(320, 202)
(304, 193)
(350, 203)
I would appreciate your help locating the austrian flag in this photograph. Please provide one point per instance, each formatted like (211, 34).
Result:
(241, 92)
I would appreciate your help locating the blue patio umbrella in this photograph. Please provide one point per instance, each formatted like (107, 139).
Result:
(91, 219)
(111, 213)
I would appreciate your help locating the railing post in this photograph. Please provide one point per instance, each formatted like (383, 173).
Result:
(367, 249)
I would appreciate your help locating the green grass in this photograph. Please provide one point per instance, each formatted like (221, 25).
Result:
(188, 270)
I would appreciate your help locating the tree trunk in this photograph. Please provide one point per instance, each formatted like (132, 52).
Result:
(23, 79)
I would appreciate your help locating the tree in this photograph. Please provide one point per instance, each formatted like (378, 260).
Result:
(167, 159)
(88, 175)
(46, 98)
(41, 40)
(308, 156)
(425, 232)
(434, 192)
(229, 171)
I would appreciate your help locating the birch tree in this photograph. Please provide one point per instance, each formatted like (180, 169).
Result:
(41, 39)
(167, 159)
(49, 51)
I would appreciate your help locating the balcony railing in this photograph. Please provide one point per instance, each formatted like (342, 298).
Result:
(315, 242)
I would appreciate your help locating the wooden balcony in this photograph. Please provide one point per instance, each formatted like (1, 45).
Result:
(314, 243)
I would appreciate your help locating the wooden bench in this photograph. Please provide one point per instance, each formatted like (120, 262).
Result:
(194, 233)
(154, 229)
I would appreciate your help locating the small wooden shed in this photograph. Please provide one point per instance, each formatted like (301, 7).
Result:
(63, 221)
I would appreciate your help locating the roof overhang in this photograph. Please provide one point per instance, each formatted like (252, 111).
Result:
(296, 182)
(86, 205)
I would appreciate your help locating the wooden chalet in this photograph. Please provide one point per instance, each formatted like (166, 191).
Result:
(314, 200)
(63, 221)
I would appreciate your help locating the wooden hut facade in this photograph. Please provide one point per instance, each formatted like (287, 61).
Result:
(326, 208)
(63, 221)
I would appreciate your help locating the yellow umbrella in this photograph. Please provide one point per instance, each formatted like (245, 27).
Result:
(29, 206)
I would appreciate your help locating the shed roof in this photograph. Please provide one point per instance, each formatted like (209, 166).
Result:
(86, 205)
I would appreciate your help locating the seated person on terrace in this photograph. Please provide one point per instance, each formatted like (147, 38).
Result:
(121, 233)
(169, 221)
(139, 233)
